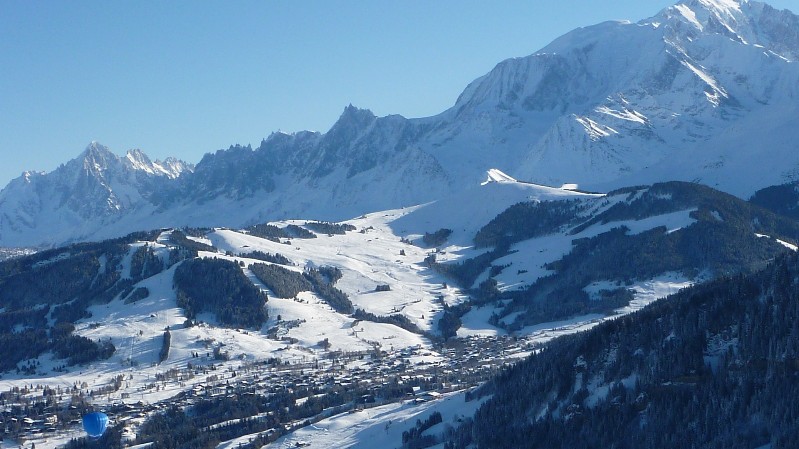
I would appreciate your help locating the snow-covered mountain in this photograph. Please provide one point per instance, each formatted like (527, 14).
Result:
(345, 312)
(82, 196)
(703, 91)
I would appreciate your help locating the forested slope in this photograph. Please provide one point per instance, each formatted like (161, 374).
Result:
(714, 366)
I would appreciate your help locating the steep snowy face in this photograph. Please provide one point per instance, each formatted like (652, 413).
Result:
(99, 183)
(87, 192)
(170, 167)
(777, 29)
(689, 94)
(620, 103)
(714, 16)
(745, 22)
(705, 91)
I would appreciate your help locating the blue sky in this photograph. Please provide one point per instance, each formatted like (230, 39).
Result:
(184, 78)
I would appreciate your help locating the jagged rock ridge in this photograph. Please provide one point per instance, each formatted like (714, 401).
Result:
(703, 91)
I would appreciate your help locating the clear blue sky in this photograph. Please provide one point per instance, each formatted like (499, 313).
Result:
(184, 78)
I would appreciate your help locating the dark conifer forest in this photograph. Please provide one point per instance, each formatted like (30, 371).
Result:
(58, 285)
(219, 286)
(722, 240)
(714, 366)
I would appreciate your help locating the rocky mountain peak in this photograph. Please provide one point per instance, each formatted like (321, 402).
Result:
(352, 120)
(97, 158)
(138, 158)
(745, 22)
(174, 167)
(170, 167)
(703, 91)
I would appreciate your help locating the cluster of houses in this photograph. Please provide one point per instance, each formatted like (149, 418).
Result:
(414, 374)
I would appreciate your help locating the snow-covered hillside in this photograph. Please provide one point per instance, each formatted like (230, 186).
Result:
(704, 90)
(385, 249)
(385, 271)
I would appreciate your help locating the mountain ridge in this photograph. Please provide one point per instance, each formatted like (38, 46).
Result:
(702, 91)
(393, 290)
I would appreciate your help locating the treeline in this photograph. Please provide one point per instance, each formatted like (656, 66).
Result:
(29, 317)
(136, 295)
(532, 219)
(782, 199)
(464, 273)
(144, 263)
(437, 238)
(332, 274)
(179, 238)
(324, 227)
(31, 342)
(299, 232)
(528, 220)
(713, 366)
(246, 412)
(721, 239)
(163, 354)
(78, 350)
(111, 247)
(322, 280)
(722, 247)
(267, 231)
(57, 284)
(711, 204)
(450, 320)
(53, 283)
(18, 346)
(219, 286)
(283, 282)
(287, 283)
(415, 438)
(275, 233)
(396, 319)
(267, 257)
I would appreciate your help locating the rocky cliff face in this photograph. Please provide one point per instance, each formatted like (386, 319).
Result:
(85, 194)
(705, 90)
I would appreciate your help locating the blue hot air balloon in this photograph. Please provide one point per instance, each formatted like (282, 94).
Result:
(95, 423)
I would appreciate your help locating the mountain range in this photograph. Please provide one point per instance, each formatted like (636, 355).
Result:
(440, 296)
(596, 246)
(704, 91)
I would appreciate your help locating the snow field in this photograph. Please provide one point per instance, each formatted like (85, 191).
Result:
(378, 427)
